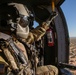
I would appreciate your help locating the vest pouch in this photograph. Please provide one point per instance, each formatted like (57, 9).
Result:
(3, 66)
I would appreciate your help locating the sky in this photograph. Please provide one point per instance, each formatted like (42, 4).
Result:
(69, 10)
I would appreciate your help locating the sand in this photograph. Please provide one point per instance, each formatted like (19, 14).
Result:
(72, 56)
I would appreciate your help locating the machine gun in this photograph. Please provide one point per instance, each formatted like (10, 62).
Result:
(65, 65)
(65, 68)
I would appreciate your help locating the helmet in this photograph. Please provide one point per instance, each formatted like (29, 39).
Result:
(11, 14)
(15, 18)
(7, 13)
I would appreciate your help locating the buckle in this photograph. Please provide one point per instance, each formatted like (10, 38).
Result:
(3, 64)
(2, 68)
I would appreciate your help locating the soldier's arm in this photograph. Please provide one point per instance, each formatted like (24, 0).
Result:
(37, 33)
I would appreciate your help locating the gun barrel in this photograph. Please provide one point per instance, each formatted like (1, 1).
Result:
(65, 65)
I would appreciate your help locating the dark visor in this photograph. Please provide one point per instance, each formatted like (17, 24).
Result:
(24, 20)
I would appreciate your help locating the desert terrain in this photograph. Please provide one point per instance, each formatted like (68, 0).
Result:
(72, 56)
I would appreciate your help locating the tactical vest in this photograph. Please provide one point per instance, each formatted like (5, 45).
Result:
(12, 60)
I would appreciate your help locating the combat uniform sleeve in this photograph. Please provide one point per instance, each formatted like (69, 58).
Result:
(37, 33)
(47, 70)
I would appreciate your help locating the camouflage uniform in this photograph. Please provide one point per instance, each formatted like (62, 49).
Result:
(42, 70)
(34, 35)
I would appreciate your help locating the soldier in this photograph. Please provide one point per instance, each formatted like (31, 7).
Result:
(14, 29)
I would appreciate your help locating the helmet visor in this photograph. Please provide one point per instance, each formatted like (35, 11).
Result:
(24, 21)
